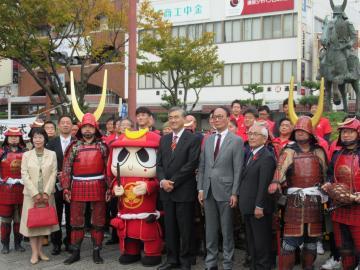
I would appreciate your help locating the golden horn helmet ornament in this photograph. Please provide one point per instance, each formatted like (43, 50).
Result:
(292, 114)
(100, 109)
(135, 134)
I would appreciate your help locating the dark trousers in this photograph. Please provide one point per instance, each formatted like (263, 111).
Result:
(258, 234)
(56, 237)
(179, 220)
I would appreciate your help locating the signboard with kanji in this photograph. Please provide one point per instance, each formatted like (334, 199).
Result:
(246, 7)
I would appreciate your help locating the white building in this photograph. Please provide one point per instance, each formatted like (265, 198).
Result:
(258, 41)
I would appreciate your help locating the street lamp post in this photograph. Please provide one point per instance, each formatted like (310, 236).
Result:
(132, 59)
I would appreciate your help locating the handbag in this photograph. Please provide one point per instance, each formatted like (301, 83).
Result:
(42, 216)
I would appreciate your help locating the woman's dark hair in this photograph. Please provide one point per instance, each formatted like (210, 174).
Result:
(39, 131)
(233, 122)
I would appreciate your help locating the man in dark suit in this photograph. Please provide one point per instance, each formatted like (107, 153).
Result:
(177, 160)
(58, 145)
(255, 204)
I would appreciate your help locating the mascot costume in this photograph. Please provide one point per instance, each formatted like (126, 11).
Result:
(132, 176)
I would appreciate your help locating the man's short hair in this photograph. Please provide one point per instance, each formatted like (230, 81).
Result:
(283, 120)
(143, 109)
(252, 111)
(264, 130)
(49, 122)
(64, 116)
(110, 119)
(227, 111)
(286, 101)
(177, 109)
(236, 101)
(127, 119)
(264, 108)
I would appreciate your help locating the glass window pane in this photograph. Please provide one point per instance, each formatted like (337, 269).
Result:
(287, 71)
(149, 81)
(227, 75)
(276, 72)
(235, 74)
(288, 25)
(256, 28)
(255, 73)
(247, 29)
(294, 68)
(157, 83)
(175, 31)
(295, 25)
(191, 32)
(246, 73)
(217, 80)
(182, 31)
(267, 27)
(236, 30)
(276, 26)
(199, 31)
(228, 31)
(218, 32)
(266, 73)
(141, 83)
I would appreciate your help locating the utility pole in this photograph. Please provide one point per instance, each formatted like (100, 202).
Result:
(132, 59)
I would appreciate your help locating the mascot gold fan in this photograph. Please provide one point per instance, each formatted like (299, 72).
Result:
(132, 172)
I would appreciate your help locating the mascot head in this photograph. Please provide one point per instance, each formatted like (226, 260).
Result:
(135, 152)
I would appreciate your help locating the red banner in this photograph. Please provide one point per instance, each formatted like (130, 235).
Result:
(244, 7)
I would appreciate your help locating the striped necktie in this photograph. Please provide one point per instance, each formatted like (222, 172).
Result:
(173, 143)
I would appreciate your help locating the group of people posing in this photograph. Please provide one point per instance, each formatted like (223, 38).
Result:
(154, 184)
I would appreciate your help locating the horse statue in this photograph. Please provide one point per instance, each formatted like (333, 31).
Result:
(339, 64)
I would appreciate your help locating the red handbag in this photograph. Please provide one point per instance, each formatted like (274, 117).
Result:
(42, 216)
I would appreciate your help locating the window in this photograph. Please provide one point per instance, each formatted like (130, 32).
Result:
(266, 73)
(182, 31)
(175, 32)
(235, 74)
(276, 26)
(246, 73)
(295, 24)
(267, 27)
(141, 81)
(256, 28)
(198, 31)
(256, 73)
(192, 32)
(288, 25)
(157, 83)
(236, 30)
(218, 32)
(227, 75)
(149, 81)
(287, 71)
(247, 29)
(217, 80)
(276, 72)
(228, 31)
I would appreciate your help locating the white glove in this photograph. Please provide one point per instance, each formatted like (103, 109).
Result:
(119, 191)
(140, 188)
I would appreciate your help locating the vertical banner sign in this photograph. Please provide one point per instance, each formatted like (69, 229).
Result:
(246, 7)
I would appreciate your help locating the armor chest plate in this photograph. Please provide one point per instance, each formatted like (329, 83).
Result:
(88, 161)
(10, 166)
(306, 170)
(347, 171)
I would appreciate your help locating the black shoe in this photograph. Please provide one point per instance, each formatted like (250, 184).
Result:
(96, 256)
(111, 242)
(56, 250)
(75, 256)
(150, 260)
(19, 247)
(212, 268)
(167, 266)
(5, 249)
(193, 260)
(128, 259)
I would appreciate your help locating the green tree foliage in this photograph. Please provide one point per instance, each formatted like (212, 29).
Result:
(254, 89)
(191, 63)
(32, 33)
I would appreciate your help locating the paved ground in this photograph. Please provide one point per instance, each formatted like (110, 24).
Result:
(16, 260)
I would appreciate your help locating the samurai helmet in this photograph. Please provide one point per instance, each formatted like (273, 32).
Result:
(292, 114)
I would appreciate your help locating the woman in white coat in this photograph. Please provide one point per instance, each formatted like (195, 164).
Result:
(38, 171)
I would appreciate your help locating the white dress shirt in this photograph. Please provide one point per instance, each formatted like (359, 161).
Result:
(64, 142)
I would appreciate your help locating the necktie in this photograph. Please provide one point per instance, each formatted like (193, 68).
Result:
(173, 143)
(217, 146)
(250, 158)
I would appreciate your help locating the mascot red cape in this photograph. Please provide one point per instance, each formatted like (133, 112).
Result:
(132, 171)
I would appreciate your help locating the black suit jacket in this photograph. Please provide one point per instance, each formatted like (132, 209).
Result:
(255, 180)
(55, 145)
(179, 166)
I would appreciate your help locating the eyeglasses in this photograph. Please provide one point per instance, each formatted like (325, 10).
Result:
(218, 117)
(255, 134)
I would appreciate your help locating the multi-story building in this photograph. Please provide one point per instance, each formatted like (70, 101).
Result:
(260, 41)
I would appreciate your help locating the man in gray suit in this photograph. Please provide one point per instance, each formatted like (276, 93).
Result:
(220, 166)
